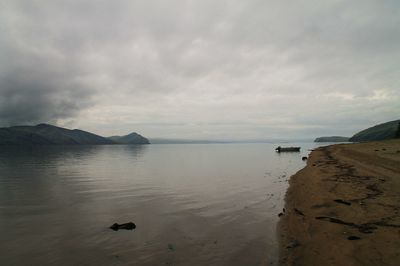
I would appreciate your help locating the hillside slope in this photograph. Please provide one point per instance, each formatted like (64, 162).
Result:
(48, 134)
(132, 138)
(388, 130)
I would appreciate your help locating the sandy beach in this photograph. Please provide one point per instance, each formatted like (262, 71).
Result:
(343, 208)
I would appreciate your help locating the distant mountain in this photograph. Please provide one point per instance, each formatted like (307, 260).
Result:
(332, 139)
(132, 138)
(48, 134)
(388, 130)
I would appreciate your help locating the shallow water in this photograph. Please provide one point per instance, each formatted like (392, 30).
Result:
(193, 204)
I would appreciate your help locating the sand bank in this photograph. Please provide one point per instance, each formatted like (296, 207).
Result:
(343, 208)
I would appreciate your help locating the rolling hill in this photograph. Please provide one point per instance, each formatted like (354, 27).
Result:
(52, 135)
(132, 138)
(388, 130)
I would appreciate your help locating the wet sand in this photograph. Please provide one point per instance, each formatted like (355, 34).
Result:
(343, 208)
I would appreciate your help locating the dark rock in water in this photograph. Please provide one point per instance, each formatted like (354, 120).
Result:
(126, 226)
(280, 214)
(342, 202)
(171, 247)
(354, 238)
(304, 158)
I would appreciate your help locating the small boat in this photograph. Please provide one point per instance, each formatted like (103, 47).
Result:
(287, 149)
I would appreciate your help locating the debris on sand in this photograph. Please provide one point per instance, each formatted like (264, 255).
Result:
(342, 202)
(293, 244)
(297, 211)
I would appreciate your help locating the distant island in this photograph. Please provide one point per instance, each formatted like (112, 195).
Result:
(133, 138)
(332, 139)
(388, 130)
(45, 134)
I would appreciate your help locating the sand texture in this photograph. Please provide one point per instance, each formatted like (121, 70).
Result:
(343, 208)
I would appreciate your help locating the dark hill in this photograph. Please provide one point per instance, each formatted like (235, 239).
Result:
(48, 134)
(132, 138)
(388, 130)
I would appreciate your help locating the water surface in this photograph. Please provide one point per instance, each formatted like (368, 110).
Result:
(193, 204)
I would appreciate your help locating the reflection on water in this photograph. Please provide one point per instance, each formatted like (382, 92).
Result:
(192, 204)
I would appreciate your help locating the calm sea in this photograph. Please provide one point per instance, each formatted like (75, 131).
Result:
(211, 204)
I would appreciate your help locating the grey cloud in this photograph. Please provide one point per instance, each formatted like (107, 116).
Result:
(28, 98)
(156, 64)
(36, 86)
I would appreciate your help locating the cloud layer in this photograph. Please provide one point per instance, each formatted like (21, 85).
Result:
(201, 69)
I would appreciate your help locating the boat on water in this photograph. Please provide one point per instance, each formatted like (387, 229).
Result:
(287, 149)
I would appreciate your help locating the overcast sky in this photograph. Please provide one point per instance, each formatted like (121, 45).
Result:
(203, 69)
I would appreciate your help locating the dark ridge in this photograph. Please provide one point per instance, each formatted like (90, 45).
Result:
(49, 135)
(388, 130)
(132, 138)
